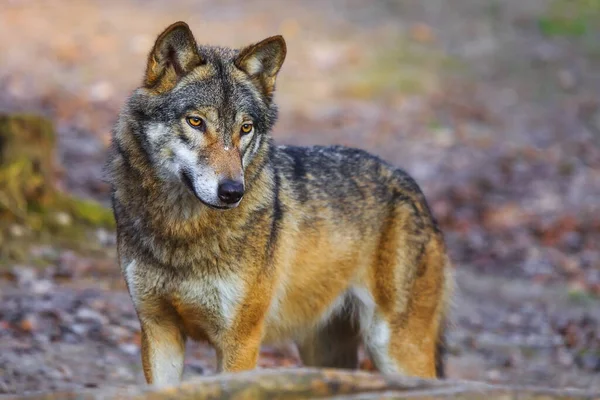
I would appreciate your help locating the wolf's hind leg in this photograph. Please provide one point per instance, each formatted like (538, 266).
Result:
(332, 345)
(395, 348)
(404, 335)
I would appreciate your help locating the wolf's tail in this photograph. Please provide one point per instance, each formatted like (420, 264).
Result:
(441, 348)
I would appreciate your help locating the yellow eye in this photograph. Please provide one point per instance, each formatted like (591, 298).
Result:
(195, 122)
(246, 128)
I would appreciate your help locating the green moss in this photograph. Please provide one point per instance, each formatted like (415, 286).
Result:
(581, 297)
(570, 18)
(87, 212)
(561, 26)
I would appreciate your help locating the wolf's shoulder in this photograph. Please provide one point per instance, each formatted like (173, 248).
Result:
(325, 155)
(338, 166)
(327, 159)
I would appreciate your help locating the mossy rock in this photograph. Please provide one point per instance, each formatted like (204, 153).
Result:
(26, 164)
(29, 199)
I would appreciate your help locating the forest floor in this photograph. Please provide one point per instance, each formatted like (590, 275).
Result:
(492, 106)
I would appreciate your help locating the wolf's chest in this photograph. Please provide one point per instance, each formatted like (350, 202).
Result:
(209, 304)
(206, 304)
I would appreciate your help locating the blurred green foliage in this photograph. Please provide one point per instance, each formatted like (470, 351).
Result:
(32, 210)
(405, 67)
(570, 18)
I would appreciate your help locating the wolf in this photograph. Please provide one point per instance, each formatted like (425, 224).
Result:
(225, 237)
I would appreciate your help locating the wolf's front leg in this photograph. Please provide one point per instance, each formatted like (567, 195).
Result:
(163, 351)
(238, 347)
(238, 354)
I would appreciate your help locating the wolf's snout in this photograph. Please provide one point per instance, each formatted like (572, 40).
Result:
(230, 192)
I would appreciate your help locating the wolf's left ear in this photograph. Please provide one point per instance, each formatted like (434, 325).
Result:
(174, 54)
(262, 62)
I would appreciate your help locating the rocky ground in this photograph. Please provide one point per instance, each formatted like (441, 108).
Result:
(492, 106)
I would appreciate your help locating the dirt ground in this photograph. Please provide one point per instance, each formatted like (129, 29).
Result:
(492, 106)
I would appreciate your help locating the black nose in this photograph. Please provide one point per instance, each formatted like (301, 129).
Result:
(230, 192)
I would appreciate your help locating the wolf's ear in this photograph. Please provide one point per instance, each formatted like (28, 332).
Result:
(174, 54)
(262, 62)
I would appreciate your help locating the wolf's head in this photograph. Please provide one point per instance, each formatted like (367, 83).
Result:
(203, 112)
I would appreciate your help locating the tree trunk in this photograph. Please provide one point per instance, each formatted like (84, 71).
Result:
(302, 383)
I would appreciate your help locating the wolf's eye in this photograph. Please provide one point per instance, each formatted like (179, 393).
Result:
(195, 122)
(246, 129)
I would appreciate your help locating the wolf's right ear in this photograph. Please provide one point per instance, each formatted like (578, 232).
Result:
(174, 54)
(262, 61)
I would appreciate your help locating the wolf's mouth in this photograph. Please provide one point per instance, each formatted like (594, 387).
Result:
(187, 180)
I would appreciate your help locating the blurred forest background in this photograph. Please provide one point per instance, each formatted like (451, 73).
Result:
(493, 106)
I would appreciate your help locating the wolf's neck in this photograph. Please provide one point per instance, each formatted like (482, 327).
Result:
(178, 203)
(172, 224)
